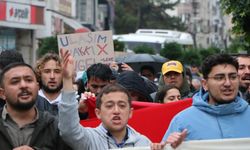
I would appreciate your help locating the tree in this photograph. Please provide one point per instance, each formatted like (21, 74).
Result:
(172, 51)
(237, 45)
(46, 45)
(132, 15)
(240, 16)
(204, 53)
(191, 57)
(144, 49)
(118, 46)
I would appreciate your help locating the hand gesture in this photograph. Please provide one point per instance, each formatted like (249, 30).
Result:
(176, 138)
(67, 64)
(126, 67)
(114, 66)
(157, 146)
(82, 105)
(68, 70)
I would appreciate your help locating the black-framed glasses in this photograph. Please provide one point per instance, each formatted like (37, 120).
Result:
(223, 77)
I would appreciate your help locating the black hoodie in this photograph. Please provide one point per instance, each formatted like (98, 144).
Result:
(132, 81)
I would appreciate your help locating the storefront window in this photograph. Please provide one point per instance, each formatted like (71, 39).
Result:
(7, 39)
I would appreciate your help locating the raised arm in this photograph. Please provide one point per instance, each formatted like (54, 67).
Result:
(68, 70)
(70, 129)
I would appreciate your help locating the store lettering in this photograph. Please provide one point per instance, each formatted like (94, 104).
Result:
(20, 13)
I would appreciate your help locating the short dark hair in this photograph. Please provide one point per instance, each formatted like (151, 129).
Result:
(10, 56)
(111, 88)
(147, 67)
(242, 56)
(100, 71)
(159, 97)
(13, 65)
(215, 60)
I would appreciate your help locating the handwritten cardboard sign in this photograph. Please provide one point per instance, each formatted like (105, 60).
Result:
(88, 48)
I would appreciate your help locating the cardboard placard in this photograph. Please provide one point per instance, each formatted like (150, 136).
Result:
(88, 48)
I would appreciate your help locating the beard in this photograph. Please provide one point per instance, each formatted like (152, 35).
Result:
(221, 101)
(22, 106)
(50, 90)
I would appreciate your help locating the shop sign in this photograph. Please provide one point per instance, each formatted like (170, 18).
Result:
(18, 13)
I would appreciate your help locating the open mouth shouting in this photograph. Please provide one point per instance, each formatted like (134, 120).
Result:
(116, 120)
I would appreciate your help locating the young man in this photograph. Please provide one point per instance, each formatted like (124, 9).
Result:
(11, 56)
(49, 74)
(148, 72)
(217, 111)
(7, 57)
(244, 75)
(113, 107)
(173, 73)
(98, 75)
(22, 126)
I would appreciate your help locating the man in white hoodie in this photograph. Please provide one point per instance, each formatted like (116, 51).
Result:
(113, 108)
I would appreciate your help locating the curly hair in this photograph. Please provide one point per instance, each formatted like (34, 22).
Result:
(41, 63)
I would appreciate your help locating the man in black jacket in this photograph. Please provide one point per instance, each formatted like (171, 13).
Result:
(8, 57)
(12, 56)
(22, 125)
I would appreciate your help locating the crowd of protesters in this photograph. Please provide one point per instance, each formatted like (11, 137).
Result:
(41, 107)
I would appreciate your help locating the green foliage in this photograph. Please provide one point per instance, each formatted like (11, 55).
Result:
(144, 49)
(237, 45)
(239, 9)
(172, 51)
(118, 46)
(191, 57)
(124, 22)
(204, 53)
(214, 50)
(46, 45)
(132, 15)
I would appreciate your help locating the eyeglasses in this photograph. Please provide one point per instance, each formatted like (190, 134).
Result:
(222, 77)
(172, 73)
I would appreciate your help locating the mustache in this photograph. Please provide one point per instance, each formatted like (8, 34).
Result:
(24, 92)
(246, 77)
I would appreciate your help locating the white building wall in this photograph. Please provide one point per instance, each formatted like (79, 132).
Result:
(209, 25)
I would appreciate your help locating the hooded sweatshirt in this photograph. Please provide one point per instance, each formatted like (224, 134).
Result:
(205, 121)
(85, 138)
(133, 81)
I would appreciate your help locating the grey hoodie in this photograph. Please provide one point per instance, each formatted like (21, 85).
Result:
(85, 138)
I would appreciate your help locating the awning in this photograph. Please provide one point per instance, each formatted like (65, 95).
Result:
(77, 26)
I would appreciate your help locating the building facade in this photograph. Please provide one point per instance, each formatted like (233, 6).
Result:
(18, 22)
(23, 23)
(206, 22)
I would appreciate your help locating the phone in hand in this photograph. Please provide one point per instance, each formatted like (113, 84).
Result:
(120, 67)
